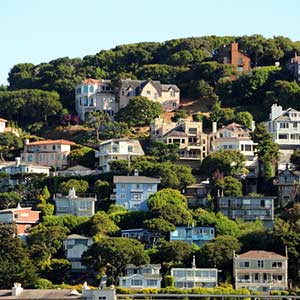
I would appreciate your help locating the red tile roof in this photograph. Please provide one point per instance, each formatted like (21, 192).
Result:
(260, 254)
(47, 142)
(91, 81)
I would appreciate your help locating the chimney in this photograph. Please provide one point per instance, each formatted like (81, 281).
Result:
(234, 47)
(18, 160)
(214, 127)
(136, 172)
(26, 141)
(72, 193)
(276, 111)
(253, 125)
(85, 290)
(17, 289)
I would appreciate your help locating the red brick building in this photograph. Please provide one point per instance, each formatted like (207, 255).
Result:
(23, 217)
(231, 55)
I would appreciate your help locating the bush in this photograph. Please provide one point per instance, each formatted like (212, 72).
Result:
(43, 284)
(169, 281)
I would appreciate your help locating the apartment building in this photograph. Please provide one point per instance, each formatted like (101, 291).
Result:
(261, 271)
(190, 235)
(188, 135)
(284, 125)
(234, 137)
(51, 153)
(248, 208)
(117, 149)
(95, 95)
(140, 277)
(80, 206)
(231, 55)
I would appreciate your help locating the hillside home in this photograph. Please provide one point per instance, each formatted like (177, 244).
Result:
(74, 245)
(190, 235)
(248, 208)
(168, 95)
(140, 234)
(77, 170)
(231, 55)
(196, 193)
(79, 206)
(189, 136)
(139, 277)
(260, 271)
(132, 192)
(284, 125)
(117, 149)
(23, 217)
(51, 153)
(293, 67)
(234, 137)
(4, 128)
(95, 95)
(194, 277)
(288, 183)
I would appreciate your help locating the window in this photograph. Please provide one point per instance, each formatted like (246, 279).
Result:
(122, 196)
(148, 92)
(244, 264)
(295, 125)
(85, 205)
(260, 263)
(193, 130)
(130, 149)
(136, 282)
(155, 96)
(172, 93)
(91, 89)
(248, 148)
(123, 186)
(91, 101)
(284, 125)
(53, 147)
(85, 89)
(151, 282)
(86, 101)
(283, 136)
(276, 264)
(78, 90)
(174, 104)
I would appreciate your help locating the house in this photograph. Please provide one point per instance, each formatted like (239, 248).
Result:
(288, 183)
(74, 245)
(196, 193)
(132, 192)
(168, 95)
(95, 95)
(231, 55)
(194, 277)
(189, 136)
(17, 167)
(51, 153)
(261, 271)
(23, 217)
(146, 276)
(4, 128)
(140, 234)
(248, 208)
(77, 170)
(79, 206)
(196, 235)
(293, 67)
(2, 125)
(284, 125)
(234, 137)
(117, 149)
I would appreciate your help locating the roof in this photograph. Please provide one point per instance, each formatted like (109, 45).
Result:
(135, 179)
(77, 237)
(78, 168)
(176, 133)
(41, 294)
(235, 127)
(155, 266)
(3, 120)
(285, 115)
(92, 81)
(16, 209)
(49, 142)
(260, 254)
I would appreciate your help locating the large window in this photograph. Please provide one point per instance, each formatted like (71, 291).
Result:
(244, 264)
(260, 263)
(151, 282)
(136, 282)
(276, 264)
(284, 125)
(85, 89)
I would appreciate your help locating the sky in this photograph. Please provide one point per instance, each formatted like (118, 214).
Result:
(38, 31)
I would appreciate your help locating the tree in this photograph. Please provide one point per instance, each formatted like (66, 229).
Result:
(245, 118)
(170, 205)
(84, 156)
(15, 262)
(80, 186)
(229, 186)
(266, 150)
(159, 226)
(8, 142)
(96, 119)
(9, 200)
(164, 152)
(179, 114)
(295, 159)
(102, 225)
(139, 112)
(228, 162)
(111, 255)
(46, 208)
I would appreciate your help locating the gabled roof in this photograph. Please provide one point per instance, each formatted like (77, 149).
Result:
(59, 294)
(176, 133)
(285, 115)
(236, 128)
(259, 254)
(135, 179)
(77, 237)
(78, 168)
(49, 142)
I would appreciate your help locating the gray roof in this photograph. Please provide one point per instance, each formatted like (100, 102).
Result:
(135, 179)
(46, 294)
(77, 237)
(156, 266)
(285, 116)
(176, 133)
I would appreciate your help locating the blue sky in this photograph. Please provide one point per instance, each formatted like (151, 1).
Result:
(40, 30)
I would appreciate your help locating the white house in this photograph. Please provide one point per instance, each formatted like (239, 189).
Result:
(74, 205)
(147, 276)
(74, 245)
(117, 149)
(284, 125)
(95, 95)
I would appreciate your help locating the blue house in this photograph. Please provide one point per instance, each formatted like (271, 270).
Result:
(132, 192)
(196, 235)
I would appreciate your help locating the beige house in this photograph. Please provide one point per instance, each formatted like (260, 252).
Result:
(189, 136)
(168, 95)
(234, 137)
(52, 153)
(260, 271)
